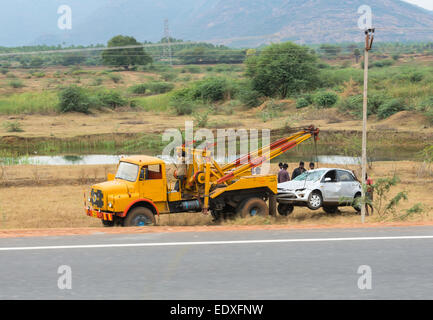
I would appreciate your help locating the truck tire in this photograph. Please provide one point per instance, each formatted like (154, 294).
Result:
(139, 217)
(107, 224)
(315, 200)
(285, 209)
(253, 207)
(330, 209)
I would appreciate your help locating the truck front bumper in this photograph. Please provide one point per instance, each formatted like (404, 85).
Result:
(99, 214)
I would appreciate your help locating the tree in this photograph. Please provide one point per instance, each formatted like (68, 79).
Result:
(125, 57)
(283, 69)
(357, 54)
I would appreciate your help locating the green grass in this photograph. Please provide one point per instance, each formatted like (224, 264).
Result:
(34, 102)
(157, 103)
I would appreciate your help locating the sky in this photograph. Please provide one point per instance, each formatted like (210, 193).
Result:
(427, 4)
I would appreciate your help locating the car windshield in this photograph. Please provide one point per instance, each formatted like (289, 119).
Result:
(310, 175)
(127, 171)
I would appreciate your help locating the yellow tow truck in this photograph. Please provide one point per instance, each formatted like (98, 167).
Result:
(140, 190)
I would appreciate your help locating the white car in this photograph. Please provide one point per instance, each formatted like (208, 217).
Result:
(321, 188)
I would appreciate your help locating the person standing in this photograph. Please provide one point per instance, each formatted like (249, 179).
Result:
(298, 171)
(369, 195)
(311, 166)
(283, 175)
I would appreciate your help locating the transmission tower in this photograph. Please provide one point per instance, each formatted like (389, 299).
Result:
(166, 53)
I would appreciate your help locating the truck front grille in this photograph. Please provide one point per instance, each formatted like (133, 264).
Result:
(97, 198)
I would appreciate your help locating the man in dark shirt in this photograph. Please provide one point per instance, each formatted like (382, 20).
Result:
(299, 171)
(283, 175)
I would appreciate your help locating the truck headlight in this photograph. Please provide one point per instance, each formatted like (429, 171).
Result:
(110, 205)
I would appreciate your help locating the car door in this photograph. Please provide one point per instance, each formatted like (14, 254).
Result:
(348, 184)
(331, 187)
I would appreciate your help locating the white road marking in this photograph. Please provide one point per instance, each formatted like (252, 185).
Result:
(198, 243)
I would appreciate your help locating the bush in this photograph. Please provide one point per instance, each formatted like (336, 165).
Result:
(191, 69)
(169, 76)
(4, 71)
(115, 78)
(416, 77)
(74, 99)
(325, 99)
(111, 99)
(302, 103)
(201, 119)
(159, 87)
(139, 88)
(389, 108)
(16, 84)
(249, 97)
(212, 89)
(182, 101)
(382, 63)
(12, 126)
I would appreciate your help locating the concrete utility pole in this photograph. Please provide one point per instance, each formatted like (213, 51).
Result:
(369, 37)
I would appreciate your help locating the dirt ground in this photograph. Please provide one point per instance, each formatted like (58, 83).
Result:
(74, 125)
(53, 197)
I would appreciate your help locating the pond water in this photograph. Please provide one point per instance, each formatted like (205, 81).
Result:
(114, 159)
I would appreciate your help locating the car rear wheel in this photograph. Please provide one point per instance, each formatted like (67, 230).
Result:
(285, 209)
(330, 209)
(315, 200)
(253, 207)
(139, 217)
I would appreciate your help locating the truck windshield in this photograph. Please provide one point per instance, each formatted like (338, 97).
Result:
(310, 176)
(127, 171)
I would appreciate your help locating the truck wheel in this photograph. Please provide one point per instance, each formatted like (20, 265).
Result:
(107, 224)
(330, 209)
(139, 217)
(285, 209)
(253, 207)
(314, 200)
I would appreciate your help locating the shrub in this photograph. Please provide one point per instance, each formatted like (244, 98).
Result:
(249, 97)
(212, 89)
(382, 63)
(182, 101)
(325, 99)
(4, 71)
(389, 108)
(169, 76)
(191, 69)
(115, 78)
(12, 126)
(96, 82)
(160, 87)
(111, 99)
(139, 88)
(16, 84)
(201, 119)
(416, 77)
(302, 103)
(74, 98)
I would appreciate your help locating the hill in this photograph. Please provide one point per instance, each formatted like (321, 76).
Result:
(260, 21)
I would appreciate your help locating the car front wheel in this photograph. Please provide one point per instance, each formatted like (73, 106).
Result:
(315, 200)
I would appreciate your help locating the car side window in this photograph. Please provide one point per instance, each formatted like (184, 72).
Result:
(332, 175)
(344, 176)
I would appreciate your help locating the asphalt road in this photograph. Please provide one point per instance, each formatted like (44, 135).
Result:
(306, 264)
